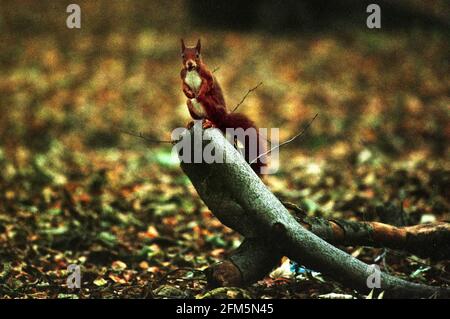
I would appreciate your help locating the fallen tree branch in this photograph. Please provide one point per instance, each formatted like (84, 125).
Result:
(240, 200)
(427, 240)
(253, 260)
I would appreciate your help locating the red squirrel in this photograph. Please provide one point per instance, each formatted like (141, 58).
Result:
(206, 101)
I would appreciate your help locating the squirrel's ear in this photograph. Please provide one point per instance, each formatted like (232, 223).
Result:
(182, 45)
(198, 46)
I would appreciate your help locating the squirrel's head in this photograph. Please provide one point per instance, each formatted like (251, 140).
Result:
(192, 57)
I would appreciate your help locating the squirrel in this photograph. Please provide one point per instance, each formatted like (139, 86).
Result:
(206, 102)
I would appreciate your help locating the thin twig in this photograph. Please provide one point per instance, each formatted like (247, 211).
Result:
(140, 135)
(216, 69)
(245, 96)
(285, 142)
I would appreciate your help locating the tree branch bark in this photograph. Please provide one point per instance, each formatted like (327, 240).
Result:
(249, 263)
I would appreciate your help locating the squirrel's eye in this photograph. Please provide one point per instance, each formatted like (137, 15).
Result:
(182, 55)
(197, 55)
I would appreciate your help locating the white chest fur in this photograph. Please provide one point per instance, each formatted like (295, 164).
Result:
(193, 80)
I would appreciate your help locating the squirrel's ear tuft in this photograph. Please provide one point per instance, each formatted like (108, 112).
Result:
(198, 46)
(182, 45)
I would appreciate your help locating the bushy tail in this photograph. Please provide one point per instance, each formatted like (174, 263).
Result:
(218, 114)
(238, 120)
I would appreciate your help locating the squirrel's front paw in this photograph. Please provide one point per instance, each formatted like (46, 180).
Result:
(207, 124)
(189, 94)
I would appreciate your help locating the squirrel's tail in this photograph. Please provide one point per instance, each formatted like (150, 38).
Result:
(254, 143)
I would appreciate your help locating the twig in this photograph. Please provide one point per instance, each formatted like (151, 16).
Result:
(216, 69)
(285, 142)
(245, 96)
(140, 135)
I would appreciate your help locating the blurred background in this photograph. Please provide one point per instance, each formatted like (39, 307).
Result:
(71, 181)
(387, 86)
